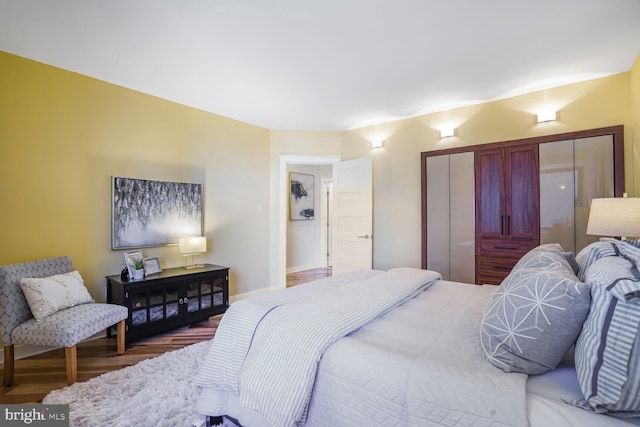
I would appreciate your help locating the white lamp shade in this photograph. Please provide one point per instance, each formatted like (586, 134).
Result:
(193, 245)
(619, 217)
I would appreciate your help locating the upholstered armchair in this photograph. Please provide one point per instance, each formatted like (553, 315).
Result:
(63, 328)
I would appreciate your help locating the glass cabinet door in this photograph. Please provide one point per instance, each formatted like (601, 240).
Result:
(154, 305)
(139, 308)
(171, 306)
(204, 294)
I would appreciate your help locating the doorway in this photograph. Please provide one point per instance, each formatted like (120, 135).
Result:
(283, 210)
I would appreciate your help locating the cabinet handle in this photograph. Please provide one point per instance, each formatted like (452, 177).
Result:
(508, 225)
(502, 224)
(501, 267)
(510, 248)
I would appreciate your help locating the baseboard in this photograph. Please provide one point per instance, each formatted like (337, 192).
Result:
(303, 268)
(22, 351)
(246, 295)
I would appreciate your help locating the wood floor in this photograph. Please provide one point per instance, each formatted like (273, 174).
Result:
(307, 276)
(36, 376)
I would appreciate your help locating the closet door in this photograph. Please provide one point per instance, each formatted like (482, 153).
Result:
(572, 173)
(507, 209)
(450, 222)
(522, 184)
(490, 193)
(438, 212)
(507, 190)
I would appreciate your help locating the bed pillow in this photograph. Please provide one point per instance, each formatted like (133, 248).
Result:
(635, 243)
(536, 314)
(571, 259)
(48, 295)
(608, 349)
(591, 253)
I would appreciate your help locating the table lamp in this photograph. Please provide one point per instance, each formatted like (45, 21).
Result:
(615, 217)
(192, 246)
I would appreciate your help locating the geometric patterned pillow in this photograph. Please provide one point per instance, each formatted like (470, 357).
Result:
(535, 315)
(608, 350)
(49, 295)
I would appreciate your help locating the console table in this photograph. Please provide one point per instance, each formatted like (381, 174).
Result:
(175, 297)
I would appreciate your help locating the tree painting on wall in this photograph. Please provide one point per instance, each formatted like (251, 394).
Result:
(154, 213)
(301, 198)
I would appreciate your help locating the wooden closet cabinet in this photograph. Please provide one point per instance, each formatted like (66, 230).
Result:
(507, 209)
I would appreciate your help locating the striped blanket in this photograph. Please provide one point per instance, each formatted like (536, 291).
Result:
(263, 358)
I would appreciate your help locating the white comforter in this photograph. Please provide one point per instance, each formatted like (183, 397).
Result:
(440, 380)
(420, 365)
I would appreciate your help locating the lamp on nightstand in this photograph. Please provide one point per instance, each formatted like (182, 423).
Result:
(192, 246)
(618, 216)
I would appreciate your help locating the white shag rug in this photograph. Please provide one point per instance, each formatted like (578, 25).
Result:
(154, 392)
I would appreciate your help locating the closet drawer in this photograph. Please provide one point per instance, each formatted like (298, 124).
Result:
(511, 249)
(492, 271)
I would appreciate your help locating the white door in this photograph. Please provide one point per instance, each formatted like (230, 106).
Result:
(352, 215)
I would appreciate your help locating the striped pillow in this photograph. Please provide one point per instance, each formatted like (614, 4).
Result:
(608, 350)
(591, 254)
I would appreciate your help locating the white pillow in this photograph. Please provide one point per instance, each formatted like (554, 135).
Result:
(48, 295)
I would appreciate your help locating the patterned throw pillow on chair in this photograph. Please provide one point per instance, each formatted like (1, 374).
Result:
(48, 295)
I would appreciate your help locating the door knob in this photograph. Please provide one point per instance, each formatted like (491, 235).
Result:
(366, 236)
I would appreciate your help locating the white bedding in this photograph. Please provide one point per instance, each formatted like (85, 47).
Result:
(421, 364)
(280, 358)
(418, 365)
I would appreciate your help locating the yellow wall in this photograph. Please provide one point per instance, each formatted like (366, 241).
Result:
(635, 123)
(397, 195)
(62, 137)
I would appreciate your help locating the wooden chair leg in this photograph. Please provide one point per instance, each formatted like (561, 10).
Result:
(121, 332)
(7, 379)
(71, 357)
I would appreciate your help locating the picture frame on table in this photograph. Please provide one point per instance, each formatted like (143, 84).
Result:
(151, 265)
(129, 256)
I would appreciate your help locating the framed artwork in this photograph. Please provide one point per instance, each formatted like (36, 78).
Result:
(301, 196)
(131, 258)
(153, 213)
(151, 265)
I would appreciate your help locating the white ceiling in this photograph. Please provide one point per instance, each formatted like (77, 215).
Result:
(327, 64)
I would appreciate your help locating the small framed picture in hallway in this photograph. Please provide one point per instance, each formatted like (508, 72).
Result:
(301, 197)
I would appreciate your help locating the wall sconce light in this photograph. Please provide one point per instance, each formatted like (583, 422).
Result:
(376, 143)
(192, 246)
(447, 132)
(546, 116)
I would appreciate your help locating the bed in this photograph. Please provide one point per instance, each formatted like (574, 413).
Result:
(418, 350)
